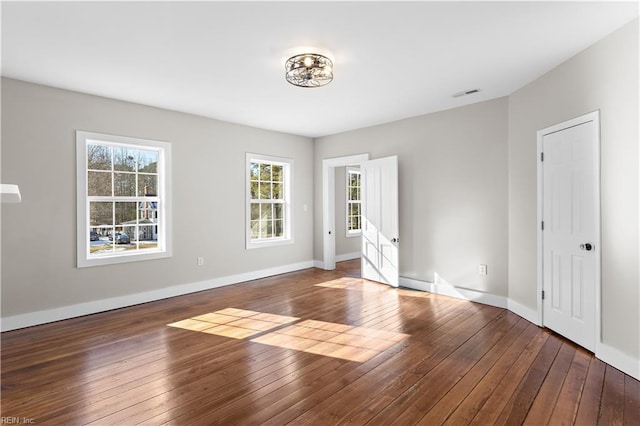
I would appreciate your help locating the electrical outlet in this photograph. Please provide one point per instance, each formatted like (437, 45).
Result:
(200, 261)
(482, 269)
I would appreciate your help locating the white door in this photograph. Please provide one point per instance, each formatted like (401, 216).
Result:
(570, 229)
(380, 220)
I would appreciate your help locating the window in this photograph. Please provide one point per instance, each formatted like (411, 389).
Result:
(354, 202)
(268, 201)
(123, 199)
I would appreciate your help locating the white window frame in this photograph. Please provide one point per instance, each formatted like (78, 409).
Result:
(83, 140)
(287, 171)
(351, 233)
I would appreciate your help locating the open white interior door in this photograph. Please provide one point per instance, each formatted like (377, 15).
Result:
(380, 236)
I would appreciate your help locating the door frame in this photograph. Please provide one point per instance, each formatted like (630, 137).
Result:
(329, 204)
(589, 117)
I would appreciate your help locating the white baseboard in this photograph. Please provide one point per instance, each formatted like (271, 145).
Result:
(525, 312)
(458, 293)
(339, 258)
(347, 256)
(414, 284)
(80, 309)
(618, 359)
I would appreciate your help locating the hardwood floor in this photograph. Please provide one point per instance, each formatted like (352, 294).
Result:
(310, 347)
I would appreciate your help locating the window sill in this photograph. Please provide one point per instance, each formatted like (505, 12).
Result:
(123, 258)
(268, 243)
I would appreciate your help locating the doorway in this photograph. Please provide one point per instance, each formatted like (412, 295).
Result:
(328, 204)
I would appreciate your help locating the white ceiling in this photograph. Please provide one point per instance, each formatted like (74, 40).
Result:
(226, 59)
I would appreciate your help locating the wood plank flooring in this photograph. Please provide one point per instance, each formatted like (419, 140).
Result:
(311, 347)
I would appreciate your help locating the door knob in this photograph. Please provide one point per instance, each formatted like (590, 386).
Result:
(586, 246)
(395, 240)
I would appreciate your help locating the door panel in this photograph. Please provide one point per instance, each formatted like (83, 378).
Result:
(380, 220)
(569, 210)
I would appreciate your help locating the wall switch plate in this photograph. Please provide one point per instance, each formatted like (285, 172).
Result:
(200, 261)
(482, 269)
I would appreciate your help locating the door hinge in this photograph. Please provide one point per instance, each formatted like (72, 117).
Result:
(542, 294)
(542, 225)
(542, 156)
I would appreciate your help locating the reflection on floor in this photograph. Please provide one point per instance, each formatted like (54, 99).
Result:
(359, 284)
(318, 337)
(331, 339)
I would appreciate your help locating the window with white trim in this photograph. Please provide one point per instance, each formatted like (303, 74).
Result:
(268, 186)
(353, 202)
(123, 199)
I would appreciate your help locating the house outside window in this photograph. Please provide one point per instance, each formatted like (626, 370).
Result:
(123, 199)
(268, 186)
(353, 202)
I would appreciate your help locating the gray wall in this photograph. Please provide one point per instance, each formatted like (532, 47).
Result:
(453, 191)
(605, 77)
(38, 235)
(344, 244)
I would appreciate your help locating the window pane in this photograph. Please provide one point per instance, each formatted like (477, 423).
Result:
(264, 233)
(101, 245)
(278, 228)
(131, 232)
(101, 214)
(147, 185)
(354, 194)
(98, 157)
(148, 161)
(99, 183)
(269, 229)
(277, 175)
(125, 214)
(265, 191)
(278, 211)
(356, 209)
(265, 172)
(255, 211)
(147, 230)
(254, 190)
(266, 211)
(124, 159)
(254, 173)
(277, 191)
(124, 184)
(255, 228)
(148, 212)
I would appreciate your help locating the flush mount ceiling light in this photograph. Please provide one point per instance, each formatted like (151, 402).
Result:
(309, 70)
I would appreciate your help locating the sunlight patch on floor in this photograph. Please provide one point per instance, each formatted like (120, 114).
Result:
(332, 339)
(234, 323)
(366, 286)
(317, 337)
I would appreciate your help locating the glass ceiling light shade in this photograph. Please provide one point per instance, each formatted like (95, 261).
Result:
(309, 70)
